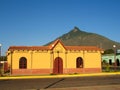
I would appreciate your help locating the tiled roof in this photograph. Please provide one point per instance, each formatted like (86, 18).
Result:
(51, 46)
(82, 48)
(28, 48)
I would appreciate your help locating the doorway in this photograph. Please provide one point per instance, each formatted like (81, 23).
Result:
(58, 66)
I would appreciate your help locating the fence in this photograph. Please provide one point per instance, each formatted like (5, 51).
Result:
(3, 67)
(110, 68)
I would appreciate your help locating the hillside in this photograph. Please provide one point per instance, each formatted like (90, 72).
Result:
(78, 37)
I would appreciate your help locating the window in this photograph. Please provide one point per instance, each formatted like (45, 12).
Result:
(79, 62)
(104, 62)
(22, 63)
(118, 62)
(110, 61)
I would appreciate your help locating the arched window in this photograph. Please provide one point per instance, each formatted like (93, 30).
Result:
(110, 61)
(118, 62)
(79, 62)
(22, 63)
(104, 62)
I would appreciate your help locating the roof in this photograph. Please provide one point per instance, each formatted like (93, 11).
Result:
(82, 48)
(28, 48)
(51, 46)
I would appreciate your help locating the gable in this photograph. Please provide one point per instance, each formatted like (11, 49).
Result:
(59, 47)
(57, 44)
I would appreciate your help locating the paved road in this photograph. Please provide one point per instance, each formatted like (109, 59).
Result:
(52, 83)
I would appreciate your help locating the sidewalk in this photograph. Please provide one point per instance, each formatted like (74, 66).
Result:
(59, 76)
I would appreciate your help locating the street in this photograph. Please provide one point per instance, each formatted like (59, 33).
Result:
(37, 84)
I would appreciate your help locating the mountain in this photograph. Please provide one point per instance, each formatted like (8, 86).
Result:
(78, 37)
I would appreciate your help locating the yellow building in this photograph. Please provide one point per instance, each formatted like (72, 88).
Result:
(53, 59)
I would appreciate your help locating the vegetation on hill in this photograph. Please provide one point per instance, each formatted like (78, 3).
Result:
(78, 37)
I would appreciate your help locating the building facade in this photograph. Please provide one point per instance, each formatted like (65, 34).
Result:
(55, 58)
(111, 59)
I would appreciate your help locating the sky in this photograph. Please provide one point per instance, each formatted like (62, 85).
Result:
(37, 22)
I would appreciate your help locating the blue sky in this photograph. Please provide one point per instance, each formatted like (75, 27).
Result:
(37, 22)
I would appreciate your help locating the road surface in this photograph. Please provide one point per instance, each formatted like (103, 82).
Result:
(52, 83)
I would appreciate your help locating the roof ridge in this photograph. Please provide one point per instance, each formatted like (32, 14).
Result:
(55, 43)
(51, 46)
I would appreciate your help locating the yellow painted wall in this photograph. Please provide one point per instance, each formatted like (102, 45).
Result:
(92, 59)
(41, 59)
(16, 57)
(9, 58)
(71, 58)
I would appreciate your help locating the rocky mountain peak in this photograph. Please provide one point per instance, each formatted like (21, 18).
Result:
(78, 37)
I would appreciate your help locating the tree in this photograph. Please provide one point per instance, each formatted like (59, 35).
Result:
(3, 58)
(109, 51)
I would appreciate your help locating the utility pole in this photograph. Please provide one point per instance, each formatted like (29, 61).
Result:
(0, 49)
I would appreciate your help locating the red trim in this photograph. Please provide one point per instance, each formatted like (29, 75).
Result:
(30, 71)
(55, 43)
(83, 70)
(50, 71)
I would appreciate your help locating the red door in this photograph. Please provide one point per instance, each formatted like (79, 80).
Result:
(58, 66)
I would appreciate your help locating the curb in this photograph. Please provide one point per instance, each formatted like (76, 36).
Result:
(58, 76)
